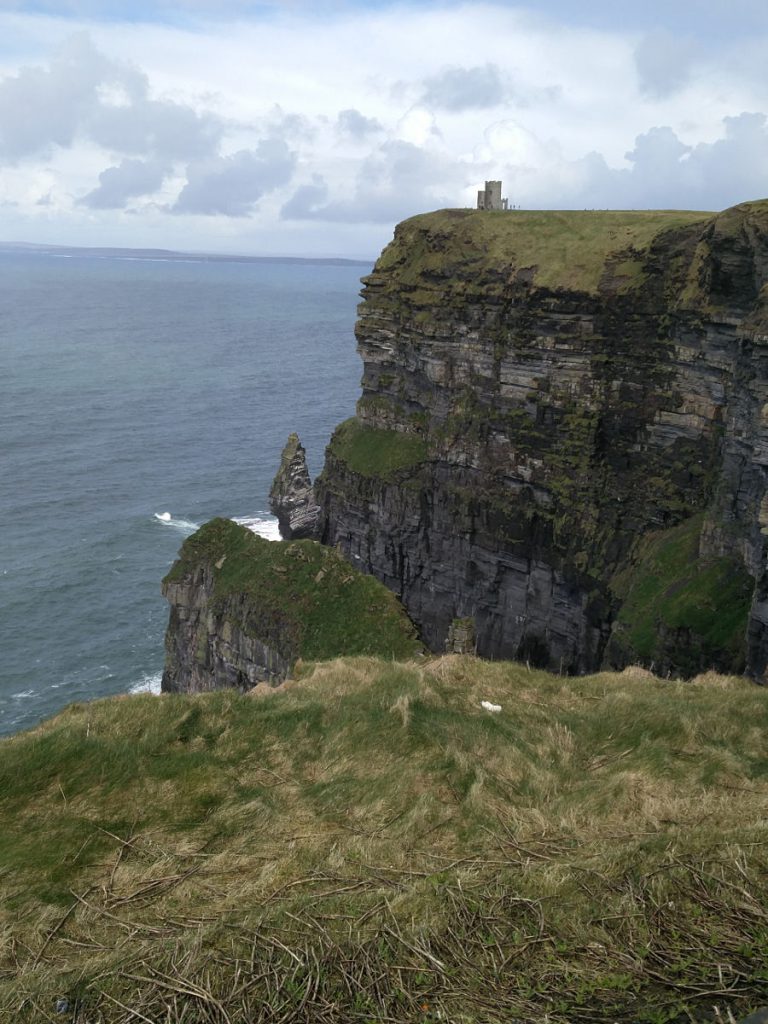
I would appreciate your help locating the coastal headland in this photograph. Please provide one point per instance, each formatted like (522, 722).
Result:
(558, 463)
(561, 444)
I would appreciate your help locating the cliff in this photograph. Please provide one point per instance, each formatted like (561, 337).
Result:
(562, 435)
(244, 609)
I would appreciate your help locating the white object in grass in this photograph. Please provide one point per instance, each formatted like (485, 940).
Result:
(490, 707)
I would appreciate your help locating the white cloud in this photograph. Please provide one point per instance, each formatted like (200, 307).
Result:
(663, 61)
(351, 122)
(397, 180)
(129, 179)
(232, 185)
(247, 121)
(417, 126)
(458, 88)
(663, 171)
(84, 95)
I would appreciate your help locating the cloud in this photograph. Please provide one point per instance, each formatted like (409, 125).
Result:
(663, 63)
(656, 152)
(351, 122)
(456, 89)
(418, 126)
(306, 201)
(43, 107)
(397, 180)
(101, 118)
(292, 127)
(160, 127)
(84, 95)
(131, 178)
(232, 185)
(663, 172)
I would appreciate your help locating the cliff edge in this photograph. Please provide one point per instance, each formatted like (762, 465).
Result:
(562, 435)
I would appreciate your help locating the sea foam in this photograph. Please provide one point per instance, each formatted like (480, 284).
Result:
(184, 525)
(261, 523)
(147, 684)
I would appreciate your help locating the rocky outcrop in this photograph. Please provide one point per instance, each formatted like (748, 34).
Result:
(244, 609)
(208, 643)
(291, 497)
(207, 648)
(563, 436)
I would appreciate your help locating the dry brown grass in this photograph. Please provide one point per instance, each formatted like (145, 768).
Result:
(366, 840)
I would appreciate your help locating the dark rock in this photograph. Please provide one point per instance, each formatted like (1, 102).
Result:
(571, 416)
(208, 646)
(291, 497)
(461, 637)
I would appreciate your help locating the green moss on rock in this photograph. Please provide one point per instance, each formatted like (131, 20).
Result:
(301, 598)
(373, 452)
(673, 598)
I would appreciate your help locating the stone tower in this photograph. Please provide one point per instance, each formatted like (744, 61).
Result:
(489, 198)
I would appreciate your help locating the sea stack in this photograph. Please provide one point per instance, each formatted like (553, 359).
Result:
(292, 498)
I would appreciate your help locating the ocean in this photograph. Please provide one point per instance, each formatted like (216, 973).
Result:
(131, 389)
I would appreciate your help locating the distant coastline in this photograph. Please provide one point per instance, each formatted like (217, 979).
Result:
(169, 255)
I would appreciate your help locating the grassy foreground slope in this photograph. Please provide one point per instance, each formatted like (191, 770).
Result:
(368, 844)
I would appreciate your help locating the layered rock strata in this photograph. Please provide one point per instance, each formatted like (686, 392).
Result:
(563, 435)
(291, 497)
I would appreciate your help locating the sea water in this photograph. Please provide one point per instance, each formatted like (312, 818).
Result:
(138, 399)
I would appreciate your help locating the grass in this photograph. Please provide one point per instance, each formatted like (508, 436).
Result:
(568, 249)
(373, 452)
(299, 596)
(670, 587)
(367, 844)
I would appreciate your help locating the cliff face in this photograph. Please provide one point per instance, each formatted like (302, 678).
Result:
(244, 609)
(563, 435)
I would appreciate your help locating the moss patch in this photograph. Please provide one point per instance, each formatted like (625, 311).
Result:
(302, 597)
(672, 596)
(372, 452)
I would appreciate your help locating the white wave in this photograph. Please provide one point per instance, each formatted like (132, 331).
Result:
(147, 684)
(185, 525)
(22, 695)
(261, 523)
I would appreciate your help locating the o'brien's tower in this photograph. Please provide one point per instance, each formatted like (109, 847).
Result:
(489, 198)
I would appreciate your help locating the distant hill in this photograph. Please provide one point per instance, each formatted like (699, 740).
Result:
(110, 253)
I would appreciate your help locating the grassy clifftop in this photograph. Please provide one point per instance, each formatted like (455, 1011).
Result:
(367, 843)
(563, 248)
(304, 597)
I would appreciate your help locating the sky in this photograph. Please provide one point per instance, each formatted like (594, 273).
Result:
(286, 127)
